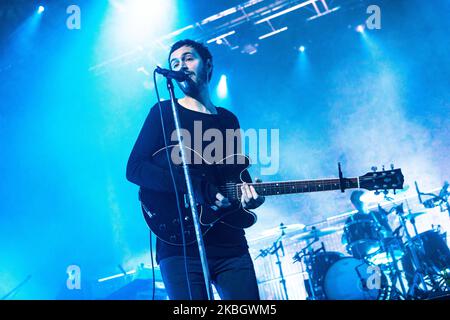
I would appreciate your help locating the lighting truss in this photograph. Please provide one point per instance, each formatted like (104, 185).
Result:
(230, 26)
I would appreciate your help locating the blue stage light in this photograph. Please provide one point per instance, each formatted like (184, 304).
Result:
(40, 9)
(301, 49)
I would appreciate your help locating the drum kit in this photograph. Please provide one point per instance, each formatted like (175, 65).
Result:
(380, 264)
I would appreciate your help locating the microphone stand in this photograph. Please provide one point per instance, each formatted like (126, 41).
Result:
(195, 219)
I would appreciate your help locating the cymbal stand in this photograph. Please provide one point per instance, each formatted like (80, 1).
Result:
(308, 251)
(393, 266)
(276, 246)
(441, 200)
(419, 274)
(396, 272)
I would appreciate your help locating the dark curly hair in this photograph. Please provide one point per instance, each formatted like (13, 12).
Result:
(202, 50)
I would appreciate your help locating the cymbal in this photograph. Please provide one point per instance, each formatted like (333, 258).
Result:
(414, 215)
(281, 230)
(315, 233)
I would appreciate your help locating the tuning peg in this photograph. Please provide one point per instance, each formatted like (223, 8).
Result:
(377, 192)
(374, 169)
(392, 166)
(382, 167)
(385, 192)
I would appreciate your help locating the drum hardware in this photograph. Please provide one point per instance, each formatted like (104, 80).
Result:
(420, 262)
(441, 200)
(314, 260)
(393, 259)
(409, 264)
(309, 252)
(370, 239)
(276, 246)
(393, 249)
(331, 275)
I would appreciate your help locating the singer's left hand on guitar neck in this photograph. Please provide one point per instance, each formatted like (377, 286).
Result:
(250, 198)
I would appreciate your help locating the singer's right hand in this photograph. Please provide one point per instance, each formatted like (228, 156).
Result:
(221, 202)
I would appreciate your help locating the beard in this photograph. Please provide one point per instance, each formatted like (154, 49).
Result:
(192, 88)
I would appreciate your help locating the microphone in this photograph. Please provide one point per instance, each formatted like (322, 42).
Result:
(418, 192)
(179, 76)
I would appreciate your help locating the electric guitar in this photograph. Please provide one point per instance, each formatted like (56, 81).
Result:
(160, 209)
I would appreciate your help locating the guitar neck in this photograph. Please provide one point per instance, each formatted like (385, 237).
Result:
(295, 186)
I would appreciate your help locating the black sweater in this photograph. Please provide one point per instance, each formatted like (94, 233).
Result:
(153, 173)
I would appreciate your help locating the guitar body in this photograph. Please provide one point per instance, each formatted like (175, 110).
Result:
(160, 209)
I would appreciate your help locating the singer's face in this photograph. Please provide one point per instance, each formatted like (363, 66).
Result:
(187, 59)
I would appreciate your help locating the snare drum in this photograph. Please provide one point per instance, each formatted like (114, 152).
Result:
(362, 238)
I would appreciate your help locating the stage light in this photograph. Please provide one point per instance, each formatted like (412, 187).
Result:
(360, 28)
(222, 87)
(40, 9)
(136, 22)
(301, 49)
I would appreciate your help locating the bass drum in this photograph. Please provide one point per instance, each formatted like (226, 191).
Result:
(353, 279)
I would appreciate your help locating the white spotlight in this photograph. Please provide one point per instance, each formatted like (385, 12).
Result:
(222, 87)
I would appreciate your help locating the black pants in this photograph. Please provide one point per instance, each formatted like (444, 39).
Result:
(233, 277)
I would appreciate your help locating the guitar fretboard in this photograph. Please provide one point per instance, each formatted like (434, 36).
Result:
(290, 187)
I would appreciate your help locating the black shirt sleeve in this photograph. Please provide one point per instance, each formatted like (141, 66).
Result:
(235, 124)
(141, 170)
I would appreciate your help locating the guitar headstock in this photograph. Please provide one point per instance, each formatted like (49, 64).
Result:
(382, 181)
